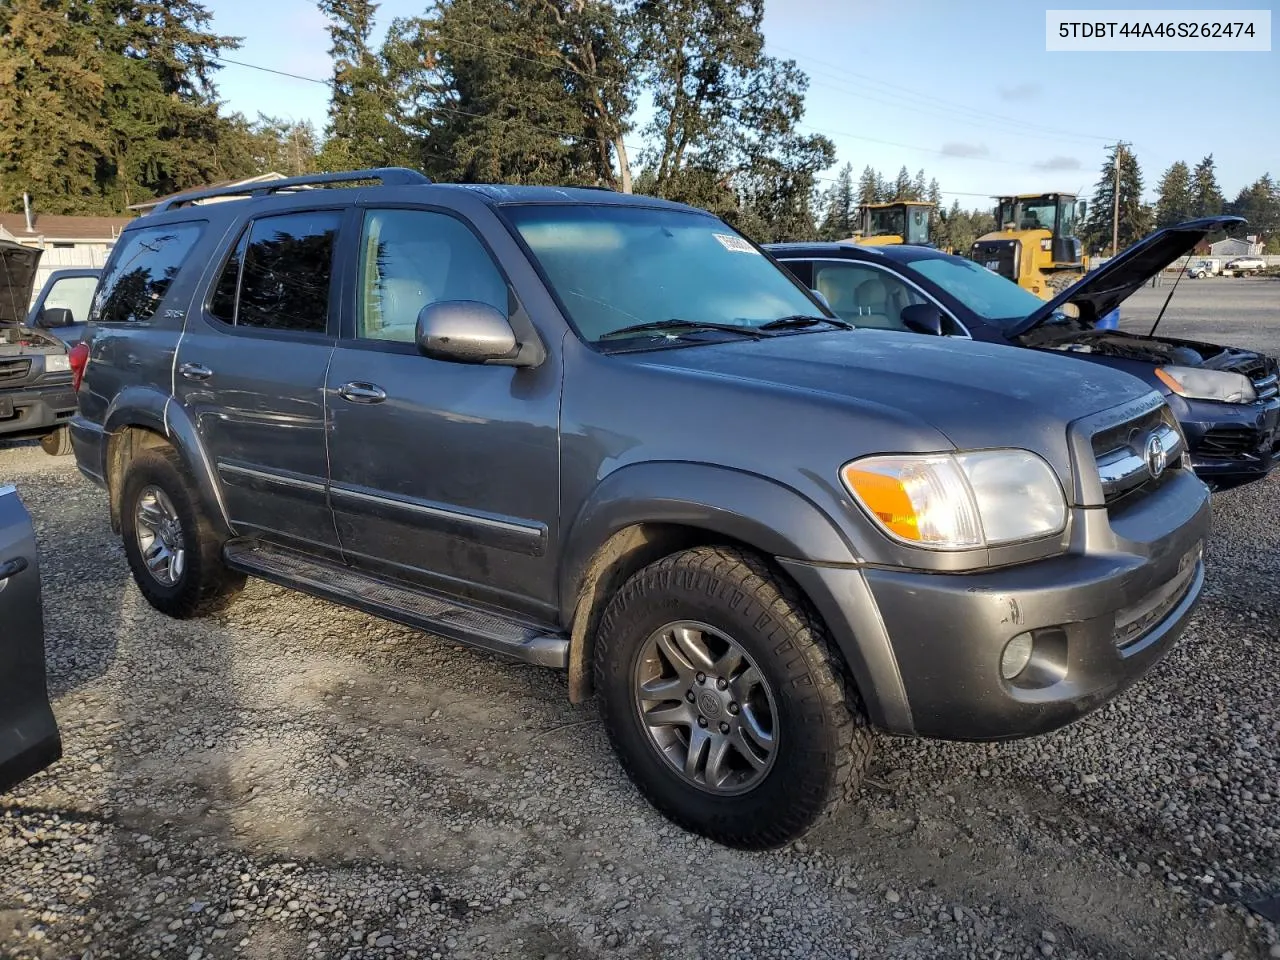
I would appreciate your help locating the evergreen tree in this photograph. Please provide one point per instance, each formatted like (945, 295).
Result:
(919, 187)
(902, 186)
(840, 218)
(1206, 196)
(1134, 216)
(1259, 203)
(1175, 203)
(362, 130)
(868, 186)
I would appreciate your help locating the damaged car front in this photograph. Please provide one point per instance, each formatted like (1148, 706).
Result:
(1227, 399)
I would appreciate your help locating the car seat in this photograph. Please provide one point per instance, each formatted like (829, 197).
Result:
(873, 306)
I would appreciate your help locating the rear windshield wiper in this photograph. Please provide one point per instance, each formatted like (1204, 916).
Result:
(691, 326)
(804, 320)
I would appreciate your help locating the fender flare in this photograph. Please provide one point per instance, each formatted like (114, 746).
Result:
(153, 410)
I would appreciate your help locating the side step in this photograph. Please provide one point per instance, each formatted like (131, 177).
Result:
(398, 602)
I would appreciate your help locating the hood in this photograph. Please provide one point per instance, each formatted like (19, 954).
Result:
(1104, 289)
(17, 280)
(976, 394)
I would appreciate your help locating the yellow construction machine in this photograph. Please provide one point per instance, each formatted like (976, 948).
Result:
(902, 221)
(1035, 243)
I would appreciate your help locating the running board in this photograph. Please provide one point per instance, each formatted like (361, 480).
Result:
(398, 602)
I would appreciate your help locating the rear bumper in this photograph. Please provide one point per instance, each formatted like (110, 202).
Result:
(88, 440)
(36, 410)
(1099, 620)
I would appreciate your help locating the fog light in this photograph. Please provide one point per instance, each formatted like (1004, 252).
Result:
(1017, 654)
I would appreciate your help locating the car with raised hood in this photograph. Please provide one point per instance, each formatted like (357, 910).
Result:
(62, 306)
(29, 737)
(1226, 399)
(36, 398)
(606, 434)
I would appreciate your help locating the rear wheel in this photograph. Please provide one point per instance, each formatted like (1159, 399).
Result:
(58, 443)
(173, 548)
(724, 700)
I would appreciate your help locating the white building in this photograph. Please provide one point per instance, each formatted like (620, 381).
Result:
(66, 241)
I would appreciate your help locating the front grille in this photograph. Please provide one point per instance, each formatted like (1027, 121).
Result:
(1261, 371)
(1227, 442)
(1120, 453)
(1267, 387)
(13, 370)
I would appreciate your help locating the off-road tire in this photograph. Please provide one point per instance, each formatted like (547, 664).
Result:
(824, 744)
(58, 443)
(1059, 281)
(206, 585)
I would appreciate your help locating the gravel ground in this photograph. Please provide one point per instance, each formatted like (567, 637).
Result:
(294, 779)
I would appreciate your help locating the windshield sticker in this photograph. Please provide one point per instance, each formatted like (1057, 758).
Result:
(735, 244)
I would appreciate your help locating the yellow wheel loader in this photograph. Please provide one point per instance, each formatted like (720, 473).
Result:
(1034, 243)
(903, 221)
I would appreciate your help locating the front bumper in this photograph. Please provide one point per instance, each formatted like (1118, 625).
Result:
(1230, 443)
(35, 411)
(1101, 617)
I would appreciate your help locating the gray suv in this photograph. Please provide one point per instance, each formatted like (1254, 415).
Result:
(607, 434)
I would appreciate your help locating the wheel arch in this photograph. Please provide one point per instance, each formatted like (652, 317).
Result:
(645, 512)
(142, 419)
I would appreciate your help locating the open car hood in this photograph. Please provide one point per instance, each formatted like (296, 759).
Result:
(17, 280)
(1102, 290)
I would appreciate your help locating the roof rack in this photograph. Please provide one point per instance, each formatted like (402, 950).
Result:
(387, 176)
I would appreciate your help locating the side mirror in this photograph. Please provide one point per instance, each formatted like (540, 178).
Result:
(51, 317)
(923, 318)
(464, 331)
(821, 298)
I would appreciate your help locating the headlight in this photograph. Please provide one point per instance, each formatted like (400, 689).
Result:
(57, 364)
(1200, 384)
(959, 501)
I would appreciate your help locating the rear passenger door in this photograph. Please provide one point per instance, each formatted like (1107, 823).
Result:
(443, 474)
(251, 369)
(870, 296)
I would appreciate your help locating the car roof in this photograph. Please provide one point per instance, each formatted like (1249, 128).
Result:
(897, 252)
(493, 195)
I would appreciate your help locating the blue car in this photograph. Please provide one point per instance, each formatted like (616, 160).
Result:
(1226, 398)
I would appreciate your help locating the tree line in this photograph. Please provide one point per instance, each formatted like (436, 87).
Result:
(110, 103)
(1183, 193)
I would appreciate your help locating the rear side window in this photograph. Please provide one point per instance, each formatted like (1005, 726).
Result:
(278, 275)
(141, 271)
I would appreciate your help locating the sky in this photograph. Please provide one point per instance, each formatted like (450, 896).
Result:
(965, 91)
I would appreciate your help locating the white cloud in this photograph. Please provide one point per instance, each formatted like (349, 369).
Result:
(1058, 163)
(1020, 91)
(968, 150)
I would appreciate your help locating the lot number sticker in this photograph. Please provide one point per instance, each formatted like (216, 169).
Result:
(735, 244)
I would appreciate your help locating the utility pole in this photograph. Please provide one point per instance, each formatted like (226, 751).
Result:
(1115, 203)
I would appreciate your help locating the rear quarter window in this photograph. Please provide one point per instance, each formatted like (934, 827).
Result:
(142, 268)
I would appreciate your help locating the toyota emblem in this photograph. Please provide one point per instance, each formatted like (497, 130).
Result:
(1157, 458)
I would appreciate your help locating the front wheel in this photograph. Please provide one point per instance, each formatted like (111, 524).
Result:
(727, 706)
(58, 443)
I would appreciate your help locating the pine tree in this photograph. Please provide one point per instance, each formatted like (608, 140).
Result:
(919, 187)
(902, 186)
(362, 129)
(1206, 195)
(868, 186)
(1175, 203)
(1259, 203)
(1134, 216)
(840, 217)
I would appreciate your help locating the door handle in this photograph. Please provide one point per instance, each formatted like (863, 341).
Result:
(195, 371)
(11, 568)
(360, 392)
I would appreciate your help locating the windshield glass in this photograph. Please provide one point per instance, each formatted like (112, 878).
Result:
(987, 294)
(1038, 214)
(616, 266)
(888, 223)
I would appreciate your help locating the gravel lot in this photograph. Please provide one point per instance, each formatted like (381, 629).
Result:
(293, 779)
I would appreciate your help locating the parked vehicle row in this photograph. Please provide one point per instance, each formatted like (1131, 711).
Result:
(739, 504)
(1227, 400)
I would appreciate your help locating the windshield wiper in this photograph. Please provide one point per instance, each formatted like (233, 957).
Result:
(804, 320)
(692, 326)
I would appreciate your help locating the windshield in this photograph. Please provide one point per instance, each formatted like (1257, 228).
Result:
(889, 222)
(987, 294)
(917, 226)
(1038, 214)
(614, 267)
